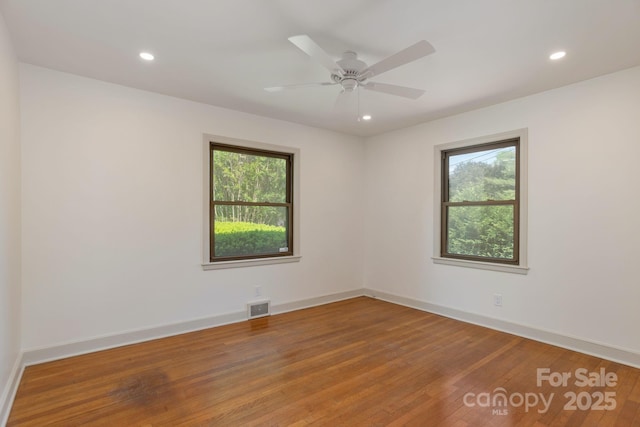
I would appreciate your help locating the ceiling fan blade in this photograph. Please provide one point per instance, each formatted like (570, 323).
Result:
(311, 48)
(405, 92)
(281, 88)
(413, 52)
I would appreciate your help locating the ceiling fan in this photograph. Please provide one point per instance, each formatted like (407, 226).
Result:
(351, 73)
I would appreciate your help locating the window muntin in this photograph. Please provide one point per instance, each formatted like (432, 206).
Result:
(251, 208)
(480, 202)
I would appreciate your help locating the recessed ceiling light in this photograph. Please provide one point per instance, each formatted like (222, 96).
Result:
(366, 117)
(557, 55)
(146, 56)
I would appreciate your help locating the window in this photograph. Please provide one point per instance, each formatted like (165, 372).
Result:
(482, 212)
(251, 210)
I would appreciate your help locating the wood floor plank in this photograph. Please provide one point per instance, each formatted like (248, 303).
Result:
(356, 362)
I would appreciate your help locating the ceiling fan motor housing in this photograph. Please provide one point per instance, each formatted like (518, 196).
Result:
(352, 66)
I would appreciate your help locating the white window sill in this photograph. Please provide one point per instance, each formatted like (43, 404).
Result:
(517, 269)
(250, 262)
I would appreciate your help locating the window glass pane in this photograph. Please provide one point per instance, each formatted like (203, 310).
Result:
(483, 175)
(249, 178)
(485, 231)
(250, 230)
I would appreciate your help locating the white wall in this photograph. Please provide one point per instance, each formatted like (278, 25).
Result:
(112, 206)
(584, 232)
(9, 211)
(112, 201)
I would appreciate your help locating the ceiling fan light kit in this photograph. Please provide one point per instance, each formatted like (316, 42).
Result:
(350, 73)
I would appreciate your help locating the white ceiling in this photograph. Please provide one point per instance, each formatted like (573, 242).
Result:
(224, 52)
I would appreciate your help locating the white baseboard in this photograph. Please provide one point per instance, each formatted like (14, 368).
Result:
(313, 302)
(76, 348)
(10, 389)
(46, 354)
(604, 351)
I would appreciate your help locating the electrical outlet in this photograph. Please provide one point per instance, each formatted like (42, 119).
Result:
(497, 300)
(258, 290)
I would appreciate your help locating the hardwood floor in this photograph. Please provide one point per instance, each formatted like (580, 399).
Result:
(360, 362)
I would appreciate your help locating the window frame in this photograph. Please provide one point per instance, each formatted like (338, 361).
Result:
(288, 157)
(440, 255)
(446, 203)
(293, 195)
